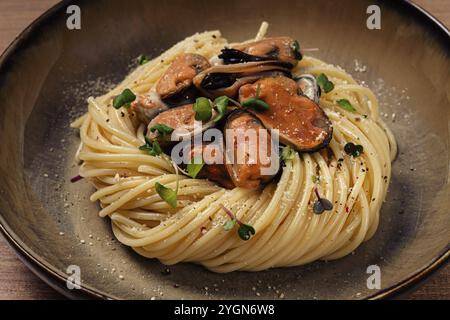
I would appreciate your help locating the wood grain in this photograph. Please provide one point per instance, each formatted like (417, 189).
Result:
(17, 282)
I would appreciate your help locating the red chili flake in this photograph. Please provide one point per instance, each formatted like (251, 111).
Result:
(346, 209)
(76, 179)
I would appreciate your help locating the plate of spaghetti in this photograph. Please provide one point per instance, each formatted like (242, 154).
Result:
(266, 157)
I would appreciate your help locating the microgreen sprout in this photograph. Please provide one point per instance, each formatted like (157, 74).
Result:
(354, 150)
(245, 231)
(325, 84)
(321, 204)
(124, 99)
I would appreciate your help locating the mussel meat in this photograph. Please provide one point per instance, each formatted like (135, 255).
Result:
(250, 163)
(301, 122)
(181, 119)
(283, 49)
(227, 79)
(148, 106)
(177, 79)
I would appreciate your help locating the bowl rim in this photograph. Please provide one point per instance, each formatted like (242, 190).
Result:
(57, 279)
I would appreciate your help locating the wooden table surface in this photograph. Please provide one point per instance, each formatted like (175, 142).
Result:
(17, 282)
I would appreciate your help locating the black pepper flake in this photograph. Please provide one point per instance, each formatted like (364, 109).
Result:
(166, 272)
(340, 161)
(214, 36)
(122, 114)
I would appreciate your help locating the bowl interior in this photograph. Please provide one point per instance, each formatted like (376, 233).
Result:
(44, 84)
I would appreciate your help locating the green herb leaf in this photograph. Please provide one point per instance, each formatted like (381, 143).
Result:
(151, 147)
(322, 79)
(221, 104)
(203, 109)
(144, 147)
(156, 148)
(324, 83)
(124, 99)
(318, 207)
(315, 179)
(328, 87)
(327, 205)
(345, 104)
(195, 166)
(143, 59)
(246, 232)
(167, 194)
(353, 150)
(229, 224)
(162, 129)
(287, 154)
(322, 205)
(349, 148)
(256, 103)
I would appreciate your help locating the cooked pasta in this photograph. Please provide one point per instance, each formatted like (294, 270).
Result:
(288, 231)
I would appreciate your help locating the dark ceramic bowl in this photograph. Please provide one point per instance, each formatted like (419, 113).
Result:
(47, 73)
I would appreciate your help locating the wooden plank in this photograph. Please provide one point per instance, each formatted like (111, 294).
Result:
(17, 282)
